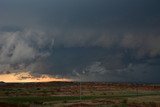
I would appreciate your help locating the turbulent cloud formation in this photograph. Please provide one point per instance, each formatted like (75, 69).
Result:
(19, 49)
(107, 40)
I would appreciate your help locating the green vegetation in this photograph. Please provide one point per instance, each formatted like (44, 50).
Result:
(35, 99)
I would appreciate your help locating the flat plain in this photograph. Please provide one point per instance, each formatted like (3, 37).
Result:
(76, 94)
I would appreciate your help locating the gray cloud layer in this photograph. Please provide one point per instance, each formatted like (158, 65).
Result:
(113, 40)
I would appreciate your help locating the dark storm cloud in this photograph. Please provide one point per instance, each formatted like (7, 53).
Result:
(77, 13)
(106, 40)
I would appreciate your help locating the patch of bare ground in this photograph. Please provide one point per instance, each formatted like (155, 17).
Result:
(93, 103)
(105, 102)
(150, 104)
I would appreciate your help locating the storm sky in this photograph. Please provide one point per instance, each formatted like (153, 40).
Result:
(95, 40)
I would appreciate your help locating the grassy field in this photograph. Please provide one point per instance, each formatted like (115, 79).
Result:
(67, 94)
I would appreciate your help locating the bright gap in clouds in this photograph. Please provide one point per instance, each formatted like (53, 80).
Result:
(28, 77)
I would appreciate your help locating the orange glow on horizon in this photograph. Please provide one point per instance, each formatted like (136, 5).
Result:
(27, 77)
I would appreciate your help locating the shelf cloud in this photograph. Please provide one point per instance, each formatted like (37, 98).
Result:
(113, 40)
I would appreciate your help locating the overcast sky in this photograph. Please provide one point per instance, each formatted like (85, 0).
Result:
(99, 40)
